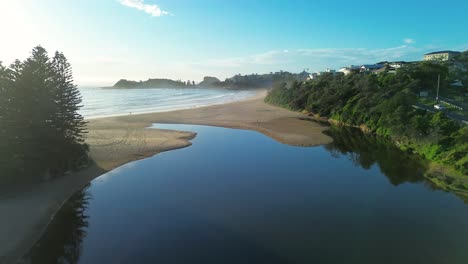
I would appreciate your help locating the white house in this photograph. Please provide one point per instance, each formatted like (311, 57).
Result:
(313, 76)
(350, 69)
(445, 55)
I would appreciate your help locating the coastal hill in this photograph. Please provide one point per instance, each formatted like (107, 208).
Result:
(211, 82)
(237, 82)
(150, 83)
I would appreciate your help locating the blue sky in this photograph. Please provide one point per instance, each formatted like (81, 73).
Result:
(106, 40)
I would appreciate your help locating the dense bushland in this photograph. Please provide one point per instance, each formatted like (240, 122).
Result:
(385, 103)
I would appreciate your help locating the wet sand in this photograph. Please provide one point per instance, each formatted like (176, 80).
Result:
(115, 141)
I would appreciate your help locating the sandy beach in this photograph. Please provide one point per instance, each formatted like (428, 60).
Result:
(115, 141)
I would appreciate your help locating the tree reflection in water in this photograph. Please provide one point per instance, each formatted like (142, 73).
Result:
(367, 150)
(62, 243)
(399, 166)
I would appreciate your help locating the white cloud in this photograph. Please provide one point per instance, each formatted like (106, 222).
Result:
(409, 41)
(153, 10)
(106, 69)
(318, 58)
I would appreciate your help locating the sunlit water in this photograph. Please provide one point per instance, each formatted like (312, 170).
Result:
(99, 102)
(240, 197)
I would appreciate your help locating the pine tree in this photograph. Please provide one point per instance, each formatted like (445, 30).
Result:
(40, 127)
(5, 113)
(31, 110)
(4, 100)
(69, 125)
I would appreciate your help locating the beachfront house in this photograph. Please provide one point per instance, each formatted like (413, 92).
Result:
(445, 55)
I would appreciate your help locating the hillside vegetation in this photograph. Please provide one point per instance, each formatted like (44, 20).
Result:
(384, 104)
(151, 83)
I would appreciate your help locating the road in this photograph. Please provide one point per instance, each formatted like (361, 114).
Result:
(454, 103)
(460, 118)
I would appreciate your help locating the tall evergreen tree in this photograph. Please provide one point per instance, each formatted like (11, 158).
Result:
(5, 113)
(40, 127)
(4, 98)
(69, 125)
(33, 103)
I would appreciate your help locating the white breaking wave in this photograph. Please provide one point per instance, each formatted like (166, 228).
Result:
(98, 102)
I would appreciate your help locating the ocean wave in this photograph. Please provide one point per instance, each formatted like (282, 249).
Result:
(104, 103)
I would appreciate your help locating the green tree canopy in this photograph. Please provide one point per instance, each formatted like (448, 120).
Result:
(40, 126)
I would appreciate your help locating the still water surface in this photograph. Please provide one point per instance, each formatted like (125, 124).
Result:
(238, 196)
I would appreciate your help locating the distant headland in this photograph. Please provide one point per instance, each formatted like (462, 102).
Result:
(237, 82)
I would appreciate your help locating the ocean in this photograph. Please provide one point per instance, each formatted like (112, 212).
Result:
(99, 102)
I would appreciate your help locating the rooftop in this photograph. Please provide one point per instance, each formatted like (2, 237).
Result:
(444, 51)
(373, 66)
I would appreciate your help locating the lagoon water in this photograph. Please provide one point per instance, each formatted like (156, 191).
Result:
(238, 196)
(99, 102)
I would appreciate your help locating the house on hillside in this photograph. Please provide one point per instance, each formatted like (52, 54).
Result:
(384, 69)
(315, 75)
(397, 64)
(445, 55)
(366, 68)
(389, 67)
(328, 71)
(350, 69)
(303, 76)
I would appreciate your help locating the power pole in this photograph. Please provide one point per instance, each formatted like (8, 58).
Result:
(438, 88)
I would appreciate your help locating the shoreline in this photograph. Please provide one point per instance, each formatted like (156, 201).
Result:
(115, 141)
(257, 93)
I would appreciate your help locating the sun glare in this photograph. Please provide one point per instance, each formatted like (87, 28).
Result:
(18, 33)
